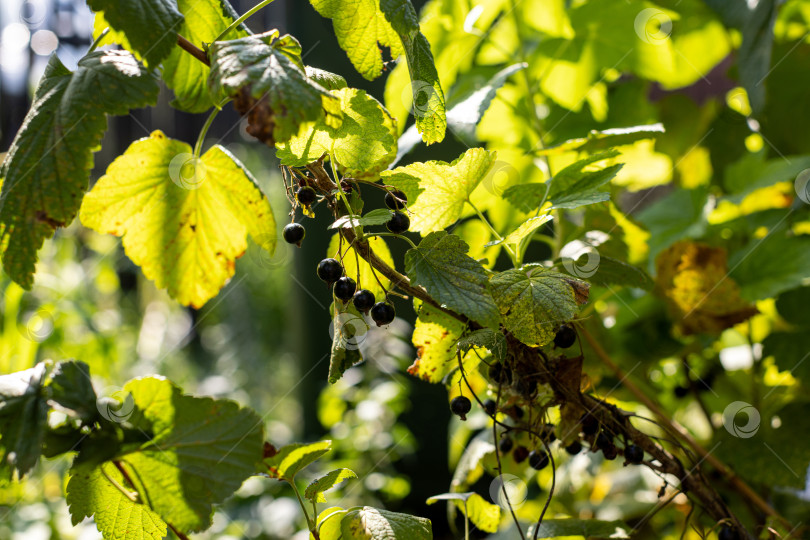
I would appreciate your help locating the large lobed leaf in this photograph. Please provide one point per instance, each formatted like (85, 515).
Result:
(435, 335)
(533, 303)
(441, 265)
(200, 451)
(261, 64)
(363, 145)
(91, 494)
(148, 27)
(23, 419)
(47, 168)
(437, 190)
(369, 523)
(183, 221)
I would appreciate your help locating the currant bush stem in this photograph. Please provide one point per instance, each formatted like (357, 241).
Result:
(310, 521)
(342, 196)
(204, 131)
(249, 13)
(400, 236)
(193, 50)
(97, 41)
(483, 218)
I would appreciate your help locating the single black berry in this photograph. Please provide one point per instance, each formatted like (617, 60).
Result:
(633, 454)
(548, 433)
(395, 200)
(294, 233)
(460, 406)
(498, 373)
(306, 195)
(344, 288)
(565, 337)
(590, 425)
(489, 406)
(527, 387)
(610, 452)
(603, 441)
(520, 453)
(574, 448)
(505, 445)
(727, 533)
(363, 300)
(383, 313)
(516, 412)
(330, 270)
(681, 391)
(398, 223)
(538, 460)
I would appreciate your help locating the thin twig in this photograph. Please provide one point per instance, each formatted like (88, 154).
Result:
(193, 50)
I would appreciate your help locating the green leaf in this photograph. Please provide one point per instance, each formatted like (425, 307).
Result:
(183, 220)
(770, 265)
(575, 186)
(428, 97)
(200, 451)
(792, 306)
(362, 31)
(484, 515)
(527, 197)
(349, 331)
(47, 168)
(23, 418)
(434, 336)
(293, 458)
(91, 494)
(369, 523)
(359, 270)
(532, 304)
(469, 468)
(437, 190)
(441, 265)
(525, 229)
(184, 74)
(603, 140)
(402, 16)
(70, 387)
(791, 352)
(466, 111)
(615, 272)
(329, 523)
(378, 216)
(150, 26)
(682, 214)
(317, 487)
(589, 528)
(327, 79)
(256, 64)
(363, 145)
(494, 342)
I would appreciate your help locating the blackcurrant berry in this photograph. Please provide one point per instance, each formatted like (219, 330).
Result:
(590, 425)
(681, 391)
(633, 454)
(610, 452)
(398, 223)
(727, 533)
(516, 412)
(383, 313)
(565, 337)
(520, 453)
(498, 373)
(363, 300)
(527, 387)
(395, 200)
(489, 407)
(505, 445)
(603, 441)
(330, 270)
(574, 448)
(538, 460)
(460, 406)
(293, 233)
(344, 288)
(548, 433)
(306, 195)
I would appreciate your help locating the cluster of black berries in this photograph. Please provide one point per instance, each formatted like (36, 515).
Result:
(604, 441)
(399, 222)
(331, 271)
